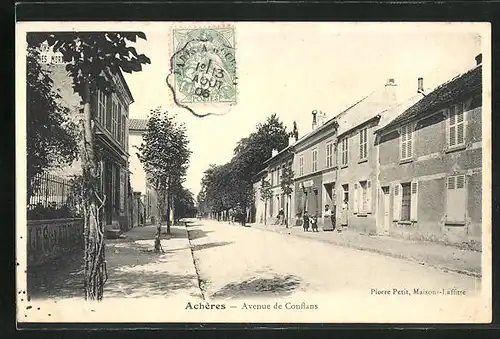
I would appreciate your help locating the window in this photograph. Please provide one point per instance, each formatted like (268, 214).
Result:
(363, 197)
(272, 176)
(114, 118)
(329, 155)
(301, 165)
(344, 152)
(406, 142)
(405, 201)
(278, 178)
(456, 130)
(314, 160)
(456, 199)
(101, 107)
(345, 196)
(363, 144)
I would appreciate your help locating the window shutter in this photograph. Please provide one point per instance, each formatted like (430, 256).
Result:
(414, 201)
(452, 130)
(409, 141)
(460, 125)
(119, 129)
(356, 199)
(368, 196)
(450, 199)
(461, 198)
(396, 202)
(109, 102)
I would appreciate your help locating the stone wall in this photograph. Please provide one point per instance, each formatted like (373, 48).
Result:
(49, 239)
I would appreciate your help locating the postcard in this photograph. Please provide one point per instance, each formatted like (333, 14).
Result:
(253, 172)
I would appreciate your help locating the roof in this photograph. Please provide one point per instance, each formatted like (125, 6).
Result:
(138, 124)
(372, 105)
(390, 114)
(465, 83)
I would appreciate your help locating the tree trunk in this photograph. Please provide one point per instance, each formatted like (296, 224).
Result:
(168, 212)
(160, 207)
(95, 274)
(286, 214)
(265, 212)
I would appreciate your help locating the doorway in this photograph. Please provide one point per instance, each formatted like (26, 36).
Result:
(386, 212)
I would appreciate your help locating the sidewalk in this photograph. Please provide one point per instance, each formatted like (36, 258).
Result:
(134, 270)
(441, 256)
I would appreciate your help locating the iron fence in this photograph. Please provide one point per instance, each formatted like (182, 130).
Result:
(51, 198)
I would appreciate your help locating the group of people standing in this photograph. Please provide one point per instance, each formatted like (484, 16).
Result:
(329, 217)
(311, 221)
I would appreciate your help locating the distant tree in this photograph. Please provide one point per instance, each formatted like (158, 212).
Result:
(231, 185)
(50, 134)
(287, 186)
(91, 58)
(266, 194)
(164, 154)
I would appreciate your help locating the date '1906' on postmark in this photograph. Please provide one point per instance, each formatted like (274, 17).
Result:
(204, 65)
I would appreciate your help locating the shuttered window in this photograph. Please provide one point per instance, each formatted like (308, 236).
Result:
(329, 155)
(414, 201)
(405, 201)
(406, 142)
(344, 151)
(456, 130)
(101, 107)
(396, 202)
(456, 199)
(314, 160)
(363, 144)
(301, 165)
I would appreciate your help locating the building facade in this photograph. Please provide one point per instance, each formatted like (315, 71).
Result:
(146, 197)
(110, 113)
(431, 165)
(315, 169)
(266, 210)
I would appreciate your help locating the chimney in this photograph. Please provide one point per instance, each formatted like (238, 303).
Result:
(314, 122)
(390, 82)
(291, 139)
(420, 86)
(479, 59)
(274, 153)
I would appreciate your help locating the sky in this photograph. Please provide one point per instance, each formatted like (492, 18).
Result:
(293, 68)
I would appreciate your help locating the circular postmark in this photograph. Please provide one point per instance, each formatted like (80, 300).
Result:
(204, 65)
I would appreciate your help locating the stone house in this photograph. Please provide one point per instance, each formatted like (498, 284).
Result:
(272, 173)
(315, 168)
(110, 114)
(430, 160)
(357, 158)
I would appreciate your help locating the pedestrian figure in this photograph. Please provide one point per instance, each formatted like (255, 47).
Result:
(345, 213)
(314, 223)
(282, 216)
(305, 223)
(329, 217)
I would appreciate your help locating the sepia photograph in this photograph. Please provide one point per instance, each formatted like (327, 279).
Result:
(253, 172)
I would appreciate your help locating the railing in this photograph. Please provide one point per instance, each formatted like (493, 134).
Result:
(51, 198)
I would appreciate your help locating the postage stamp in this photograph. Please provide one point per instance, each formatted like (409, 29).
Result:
(204, 65)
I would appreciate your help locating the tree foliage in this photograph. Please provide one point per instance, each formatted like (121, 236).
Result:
(164, 154)
(230, 186)
(51, 135)
(92, 58)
